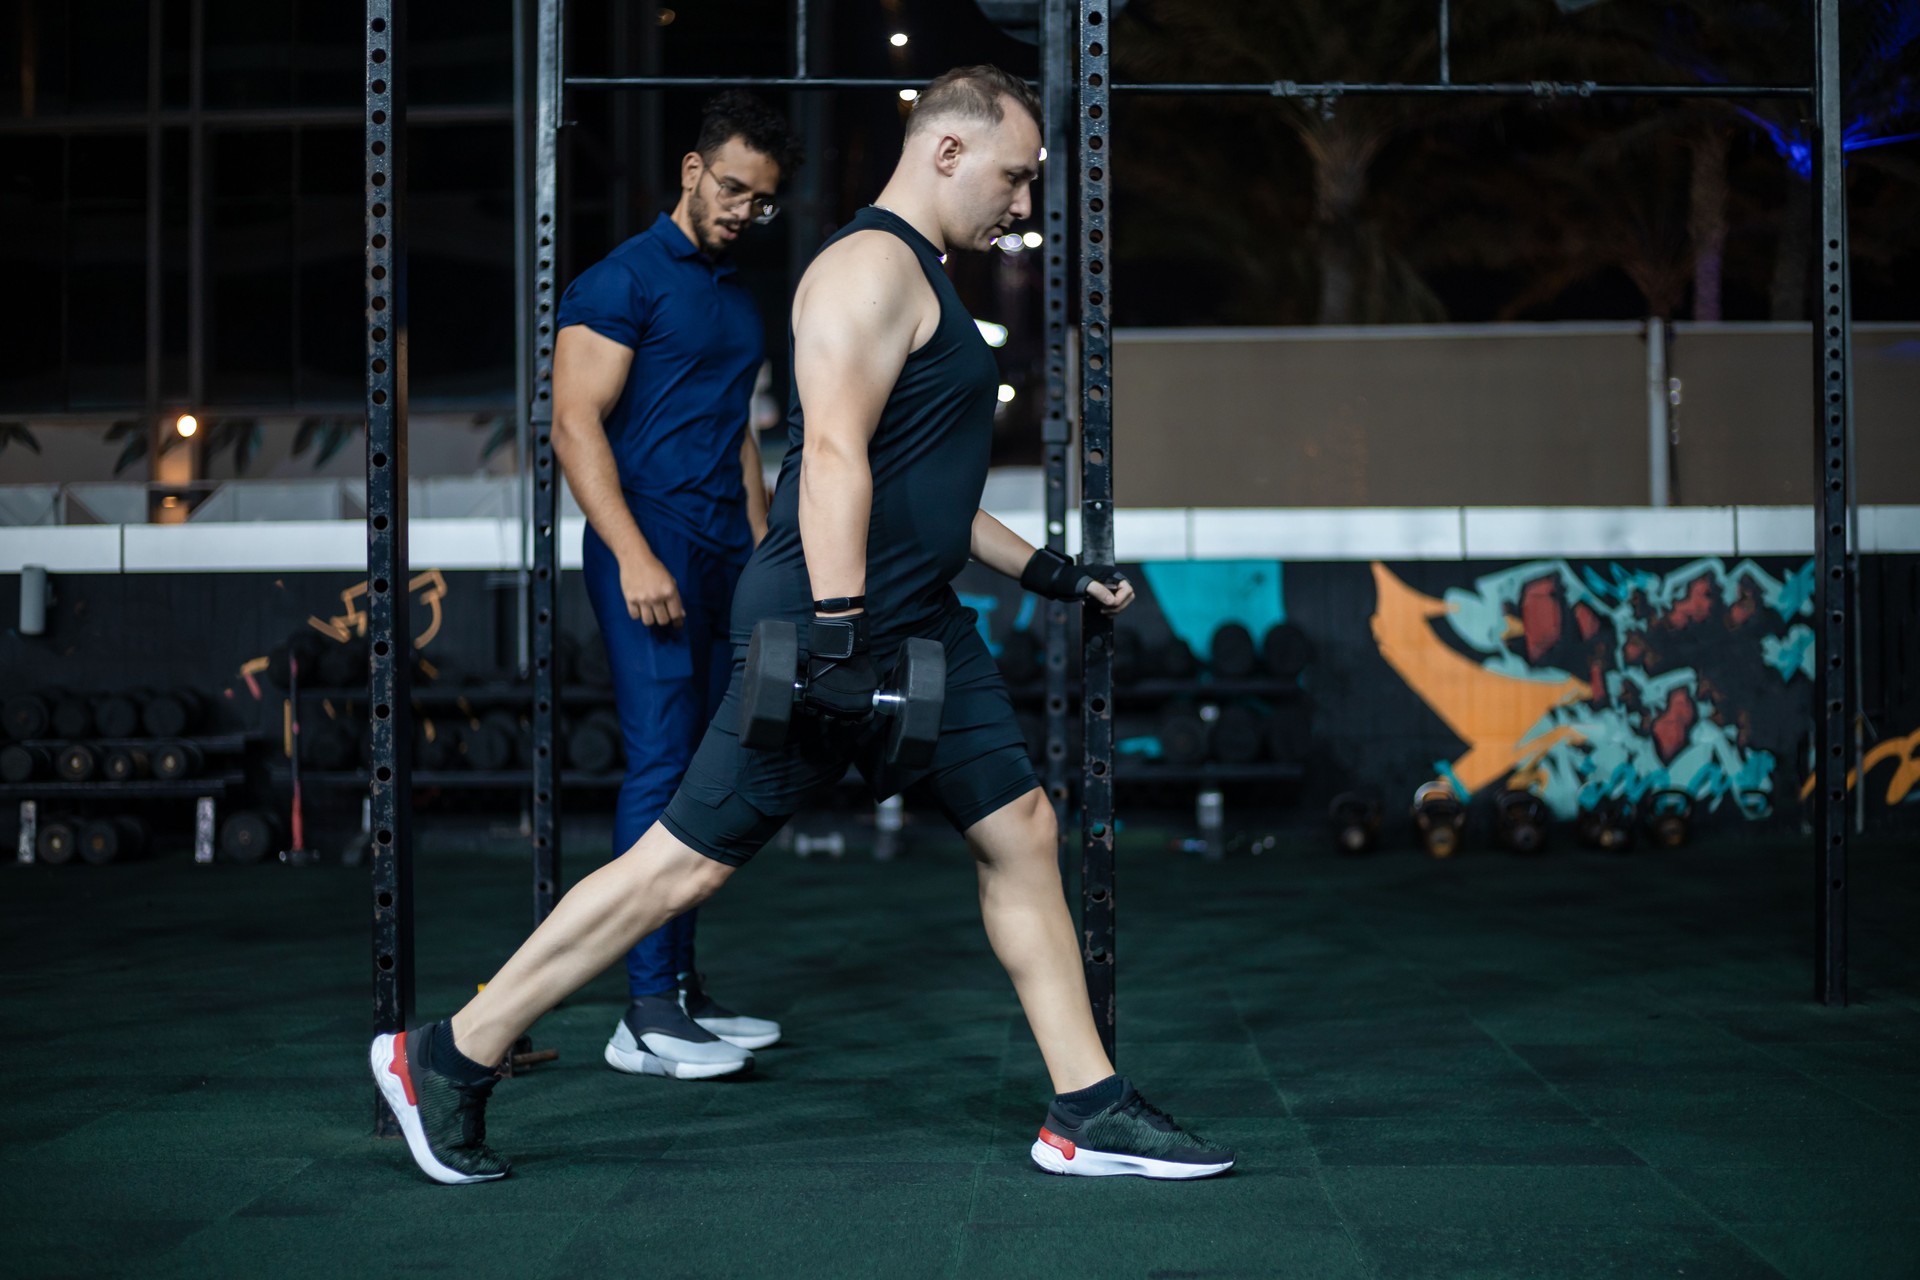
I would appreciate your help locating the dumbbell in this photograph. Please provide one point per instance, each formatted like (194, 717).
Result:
(594, 744)
(175, 760)
(173, 713)
(1174, 660)
(1520, 821)
(117, 715)
(124, 764)
(249, 836)
(1234, 654)
(27, 715)
(1668, 816)
(833, 844)
(1355, 820)
(1183, 735)
(23, 764)
(71, 717)
(118, 839)
(1239, 734)
(1438, 817)
(57, 841)
(1285, 650)
(76, 762)
(491, 741)
(913, 696)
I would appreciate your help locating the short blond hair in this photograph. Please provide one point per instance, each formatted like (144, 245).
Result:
(974, 93)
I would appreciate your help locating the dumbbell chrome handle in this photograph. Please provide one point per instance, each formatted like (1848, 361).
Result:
(881, 701)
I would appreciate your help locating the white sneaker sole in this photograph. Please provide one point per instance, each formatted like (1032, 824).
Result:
(1105, 1164)
(394, 1090)
(636, 1059)
(761, 1040)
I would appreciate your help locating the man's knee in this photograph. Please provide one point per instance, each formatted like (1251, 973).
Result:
(1024, 827)
(671, 871)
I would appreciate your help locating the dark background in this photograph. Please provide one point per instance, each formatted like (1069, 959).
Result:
(1242, 211)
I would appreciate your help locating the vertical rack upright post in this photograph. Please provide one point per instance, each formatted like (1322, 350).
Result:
(1833, 713)
(389, 634)
(1097, 917)
(545, 587)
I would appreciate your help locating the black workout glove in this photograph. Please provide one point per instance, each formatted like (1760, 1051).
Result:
(1057, 577)
(840, 679)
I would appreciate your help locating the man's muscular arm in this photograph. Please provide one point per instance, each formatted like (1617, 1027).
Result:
(1006, 552)
(854, 320)
(588, 372)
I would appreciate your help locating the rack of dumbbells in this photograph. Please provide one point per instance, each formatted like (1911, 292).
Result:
(94, 772)
(471, 731)
(1239, 719)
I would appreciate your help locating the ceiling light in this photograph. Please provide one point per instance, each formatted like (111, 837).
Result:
(995, 334)
(1033, 239)
(186, 425)
(1006, 394)
(898, 39)
(909, 95)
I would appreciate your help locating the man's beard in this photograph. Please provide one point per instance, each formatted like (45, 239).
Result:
(698, 211)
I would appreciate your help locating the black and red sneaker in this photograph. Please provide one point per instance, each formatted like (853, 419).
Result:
(445, 1122)
(1129, 1136)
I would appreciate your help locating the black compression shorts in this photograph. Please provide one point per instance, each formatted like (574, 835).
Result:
(734, 799)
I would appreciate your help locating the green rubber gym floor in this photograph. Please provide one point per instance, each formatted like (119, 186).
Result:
(1573, 1066)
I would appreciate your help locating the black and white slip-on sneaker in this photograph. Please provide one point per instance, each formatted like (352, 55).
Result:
(445, 1123)
(1132, 1136)
(735, 1028)
(657, 1038)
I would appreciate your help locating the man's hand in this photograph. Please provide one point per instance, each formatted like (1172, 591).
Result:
(1057, 577)
(652, 595)
(840, 675)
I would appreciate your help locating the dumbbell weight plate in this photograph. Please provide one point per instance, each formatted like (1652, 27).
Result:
(766, 686)
(21, 764)
(117, 715)
(1286, 650)
(920, 679)
(1234, 655)
(57, 841)
(124, 764)
(99, 842)
(249, 836)
(76, 762)
(72, 718)
(1239, 734)
(174, 760)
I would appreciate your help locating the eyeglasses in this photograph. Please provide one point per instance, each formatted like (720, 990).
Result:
(733, 195)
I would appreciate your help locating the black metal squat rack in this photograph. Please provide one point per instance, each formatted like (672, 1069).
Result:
(1075, 52)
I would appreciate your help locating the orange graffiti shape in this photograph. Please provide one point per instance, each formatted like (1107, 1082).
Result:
(1489, 711)
(1906, 774)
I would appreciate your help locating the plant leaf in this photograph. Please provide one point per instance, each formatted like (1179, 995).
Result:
(303, 438)
(121, 429)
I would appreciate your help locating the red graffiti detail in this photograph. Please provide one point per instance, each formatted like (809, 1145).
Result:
(1597, 680)
(1670, 730)
(1634, 651)
(1540, 616)
(1696, 607)
(1587, 620)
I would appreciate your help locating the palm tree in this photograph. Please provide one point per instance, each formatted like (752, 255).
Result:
(1243, 201)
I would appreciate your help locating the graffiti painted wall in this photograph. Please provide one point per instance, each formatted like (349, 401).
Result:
(1578, 679)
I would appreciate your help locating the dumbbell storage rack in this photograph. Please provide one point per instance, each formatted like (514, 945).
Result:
(476, 696)
(206, 790)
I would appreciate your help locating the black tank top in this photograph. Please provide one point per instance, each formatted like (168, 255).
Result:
(929, 461)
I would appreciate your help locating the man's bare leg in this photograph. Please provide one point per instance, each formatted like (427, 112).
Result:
(596, 923)
(1032, 933)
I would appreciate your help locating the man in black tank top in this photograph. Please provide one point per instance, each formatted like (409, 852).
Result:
(876, 511)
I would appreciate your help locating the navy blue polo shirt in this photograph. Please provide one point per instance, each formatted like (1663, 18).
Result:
(697, 347)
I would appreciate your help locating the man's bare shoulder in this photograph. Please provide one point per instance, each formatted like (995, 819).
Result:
(870, 266)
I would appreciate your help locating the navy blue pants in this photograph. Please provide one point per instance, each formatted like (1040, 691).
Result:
(667, 684)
